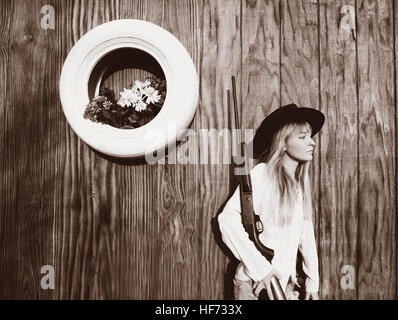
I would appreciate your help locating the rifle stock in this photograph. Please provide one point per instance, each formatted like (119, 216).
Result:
(251, 222)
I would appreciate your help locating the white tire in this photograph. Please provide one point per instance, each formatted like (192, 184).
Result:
(182, 87)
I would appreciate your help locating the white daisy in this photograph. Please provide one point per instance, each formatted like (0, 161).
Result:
(148, 91)
(153, 97)
(140, 105)
(128, 97)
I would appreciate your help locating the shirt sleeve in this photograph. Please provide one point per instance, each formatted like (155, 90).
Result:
(236, 238)
(307, 246)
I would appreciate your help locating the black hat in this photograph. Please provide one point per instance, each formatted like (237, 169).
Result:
(280, 117)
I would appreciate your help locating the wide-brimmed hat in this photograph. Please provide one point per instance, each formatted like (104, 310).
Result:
(280, 117)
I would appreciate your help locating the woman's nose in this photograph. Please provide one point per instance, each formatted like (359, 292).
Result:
(312, 142)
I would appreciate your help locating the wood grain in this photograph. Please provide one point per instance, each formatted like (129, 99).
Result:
(220, 60)
(300, 74)
(395, 7)
(87, 209)
(377, 204)
(179, 184)
(260, 60)
(5, 172)
(137, 236)
(339, 179)
(28, 162)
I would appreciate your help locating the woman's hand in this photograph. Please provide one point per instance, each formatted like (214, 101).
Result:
(311, 295)
(266, 283)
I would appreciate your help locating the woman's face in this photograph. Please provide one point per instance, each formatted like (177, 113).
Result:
(299, 145)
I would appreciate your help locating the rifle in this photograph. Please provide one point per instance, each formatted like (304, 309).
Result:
(251, 221)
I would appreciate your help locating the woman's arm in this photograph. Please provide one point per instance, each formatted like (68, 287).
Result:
(237, 239)
(307, 246)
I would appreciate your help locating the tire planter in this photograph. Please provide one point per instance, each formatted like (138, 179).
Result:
(182, 88)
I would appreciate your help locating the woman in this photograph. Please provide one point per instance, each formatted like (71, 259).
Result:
(283, 147)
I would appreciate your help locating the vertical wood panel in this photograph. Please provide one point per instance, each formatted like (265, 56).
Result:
(138, 235)
(261, 60)
(86, 213)
(52, 114)
(27, 141)
(395, 7)
(179, 187)
(5, 172)
(300, 54)
(339, 151)
(220, 59)
(5, 9)
(300, 74)
(100, 207)
(377, 204)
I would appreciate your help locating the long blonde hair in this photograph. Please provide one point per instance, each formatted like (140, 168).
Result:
(277, 194)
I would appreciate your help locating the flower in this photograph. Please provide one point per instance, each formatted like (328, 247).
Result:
(140, 105)
(99, 99)
(153, 97)
(134, 107)
(128, 97)
(148, 91)
(107, 105)
(141, 85)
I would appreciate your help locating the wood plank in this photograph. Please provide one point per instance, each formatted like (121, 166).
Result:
(260, 60)
(377, 172)
(339, 180)
(5, 9)
(395, 6)
(29, 154)
(220, 59)
(86, 205)
(6, 270)
(179, 186)
(299, 50)
(138, 236)
(300, 74)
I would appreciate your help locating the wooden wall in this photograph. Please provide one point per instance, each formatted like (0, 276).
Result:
(121, 229)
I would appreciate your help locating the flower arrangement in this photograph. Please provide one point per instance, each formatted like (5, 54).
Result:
(137, 105)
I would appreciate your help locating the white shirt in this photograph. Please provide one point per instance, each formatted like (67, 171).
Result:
(285, 241)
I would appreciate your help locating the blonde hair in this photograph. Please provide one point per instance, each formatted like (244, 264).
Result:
(278, 184)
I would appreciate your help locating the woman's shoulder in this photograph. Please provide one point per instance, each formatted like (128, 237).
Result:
(258, 168)
(257, 173)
